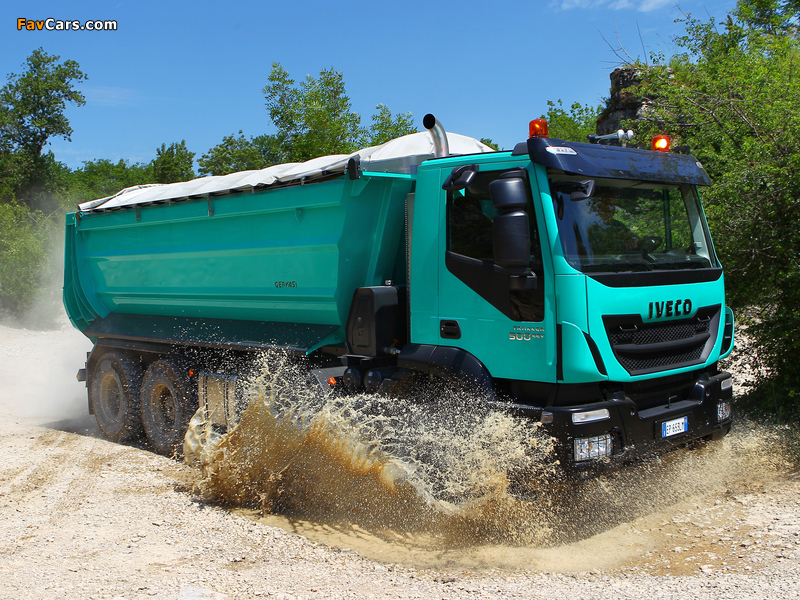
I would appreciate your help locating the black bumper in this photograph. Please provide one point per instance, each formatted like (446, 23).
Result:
(634, 432)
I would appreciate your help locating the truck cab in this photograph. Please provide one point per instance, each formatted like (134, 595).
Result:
(577, 282)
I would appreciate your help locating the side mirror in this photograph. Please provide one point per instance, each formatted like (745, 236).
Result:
(577, 190)
(511, 238)
(460, 178)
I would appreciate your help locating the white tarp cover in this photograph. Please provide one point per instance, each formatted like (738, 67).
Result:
(416, 144)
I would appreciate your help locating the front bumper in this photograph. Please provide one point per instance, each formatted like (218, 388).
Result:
(624, 432)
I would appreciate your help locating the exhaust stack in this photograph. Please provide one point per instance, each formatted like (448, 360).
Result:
(441, 148)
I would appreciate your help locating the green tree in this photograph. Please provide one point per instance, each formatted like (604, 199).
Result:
(316, 118)
(173, 163)
(240, 154)
(732, 95)
(572, 126)
(101, 178)
(386, 127)
(32, 106)
(312, 118)
(23, 256)
(773, 17)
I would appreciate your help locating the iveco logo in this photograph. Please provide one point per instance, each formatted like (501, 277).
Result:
(670, 308)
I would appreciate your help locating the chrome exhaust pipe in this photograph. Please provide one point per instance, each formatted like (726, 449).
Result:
(441, 148)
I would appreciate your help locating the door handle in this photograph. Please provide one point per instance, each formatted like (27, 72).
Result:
(449, 330)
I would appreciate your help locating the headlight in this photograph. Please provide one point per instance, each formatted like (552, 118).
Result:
(596, 446)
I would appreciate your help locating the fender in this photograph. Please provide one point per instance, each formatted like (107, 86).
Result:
(446, 362)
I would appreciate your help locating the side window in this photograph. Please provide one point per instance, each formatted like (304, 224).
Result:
(470, 213)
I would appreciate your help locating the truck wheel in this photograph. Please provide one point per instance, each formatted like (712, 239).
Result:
(114, 394)
(168, 402)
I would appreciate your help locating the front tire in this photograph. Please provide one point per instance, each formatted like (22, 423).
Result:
(168, 402)
(114, 394)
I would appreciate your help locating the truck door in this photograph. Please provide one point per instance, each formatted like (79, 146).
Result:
(511, 331)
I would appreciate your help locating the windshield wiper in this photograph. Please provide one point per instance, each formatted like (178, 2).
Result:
(617, 267)
(677, 266)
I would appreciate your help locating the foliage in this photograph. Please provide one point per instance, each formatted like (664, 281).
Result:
(489, 142)
(24, 249)
(173, 163)
(32, 106)
(386, 127)
(733, 99)
(572, 126)
(240, 154)
(101, 178)
(315, 118)
(773, 17)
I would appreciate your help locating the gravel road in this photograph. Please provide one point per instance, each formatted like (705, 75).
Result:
(84, 518)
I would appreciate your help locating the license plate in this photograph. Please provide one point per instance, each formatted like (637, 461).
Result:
(674, 427)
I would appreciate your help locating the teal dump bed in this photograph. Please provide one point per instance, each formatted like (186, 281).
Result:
(292, 255)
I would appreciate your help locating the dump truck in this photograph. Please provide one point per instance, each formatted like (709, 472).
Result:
(571, 284)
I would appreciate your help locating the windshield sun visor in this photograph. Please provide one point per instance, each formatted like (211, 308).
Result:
(614, 162)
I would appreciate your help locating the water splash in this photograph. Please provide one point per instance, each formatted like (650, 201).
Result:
(436, 481)
(442, 465)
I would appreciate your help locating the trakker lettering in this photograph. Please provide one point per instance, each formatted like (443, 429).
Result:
(670, 308)
(523, 333)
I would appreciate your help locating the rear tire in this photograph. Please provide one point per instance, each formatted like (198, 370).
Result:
(169, 399)
(114, 394)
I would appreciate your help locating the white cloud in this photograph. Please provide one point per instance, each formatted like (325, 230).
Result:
(648, 5)
(637, 5)
(570, 4)
(112, 96)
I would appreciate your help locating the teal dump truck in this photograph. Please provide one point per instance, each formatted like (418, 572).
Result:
(574, 284)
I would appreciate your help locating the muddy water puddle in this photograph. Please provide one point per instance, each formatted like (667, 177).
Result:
(443, 485)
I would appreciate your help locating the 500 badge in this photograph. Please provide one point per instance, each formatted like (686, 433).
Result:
(525, 334)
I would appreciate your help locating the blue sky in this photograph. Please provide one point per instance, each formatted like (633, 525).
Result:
(195, 70)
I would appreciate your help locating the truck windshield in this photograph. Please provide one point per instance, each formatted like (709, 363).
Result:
(621, 225)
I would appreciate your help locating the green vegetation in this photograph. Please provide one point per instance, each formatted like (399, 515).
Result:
(732, 95)
(572, 126)
(240, 154)
(32, 108)
(173, 164)
(314, 118)
(24, 256)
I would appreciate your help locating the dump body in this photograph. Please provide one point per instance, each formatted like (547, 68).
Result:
(292, 255)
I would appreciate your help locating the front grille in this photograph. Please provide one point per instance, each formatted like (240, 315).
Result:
(649, 347)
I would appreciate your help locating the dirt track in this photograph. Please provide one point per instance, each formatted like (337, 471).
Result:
(84, 518)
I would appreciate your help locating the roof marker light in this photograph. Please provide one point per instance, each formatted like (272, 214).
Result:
(661, 143)
(538, 128)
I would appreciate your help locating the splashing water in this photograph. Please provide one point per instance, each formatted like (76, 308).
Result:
(445, 474)
(381, 462)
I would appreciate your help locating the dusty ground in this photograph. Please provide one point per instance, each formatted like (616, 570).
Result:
(84, 518)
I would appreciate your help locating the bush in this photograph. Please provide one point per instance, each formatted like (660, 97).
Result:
(24, 257)
(732, 95)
